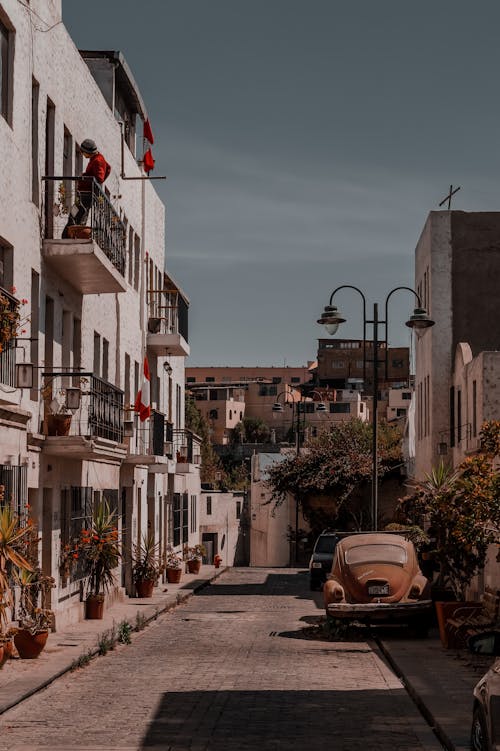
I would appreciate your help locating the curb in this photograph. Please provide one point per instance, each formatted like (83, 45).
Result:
(417, 700)
(95, 651)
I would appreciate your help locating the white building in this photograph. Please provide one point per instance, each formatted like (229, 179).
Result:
(97, 306)
(222, 528)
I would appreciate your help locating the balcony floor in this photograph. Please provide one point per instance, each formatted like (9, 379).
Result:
(167, 344)
(83, 264)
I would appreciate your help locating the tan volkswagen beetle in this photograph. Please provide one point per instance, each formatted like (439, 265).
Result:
(375, 577)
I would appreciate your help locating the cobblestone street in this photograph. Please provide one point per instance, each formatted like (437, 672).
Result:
(225, 671)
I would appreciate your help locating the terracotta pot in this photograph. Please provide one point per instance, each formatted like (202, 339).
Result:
(194, 566)
(144, 587)
(30, 645)
(8, 649)
(79, 232)
(173, 575)
(94, 607)
(58, 424)
(3, 656)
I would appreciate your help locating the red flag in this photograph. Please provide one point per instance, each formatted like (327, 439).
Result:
(148, 161)
(147, 132)
(142, 402)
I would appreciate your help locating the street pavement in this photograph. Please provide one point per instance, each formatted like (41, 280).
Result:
(226, 670)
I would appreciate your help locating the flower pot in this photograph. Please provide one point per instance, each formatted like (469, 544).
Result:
(173, 575)
(58, 424)
(79, 232)
(194, 566)
(144, 587)
(154, 325)
(30, 645)
(3, 656)
(94, 607)
(8, 649)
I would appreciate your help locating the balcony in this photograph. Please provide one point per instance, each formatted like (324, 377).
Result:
(83, 416)
(93, 260)
(8, 353)
(151, 443)
(167, 323)
(186, 450)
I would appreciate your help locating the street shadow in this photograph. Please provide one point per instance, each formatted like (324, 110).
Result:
(277, 720)
(279, 585)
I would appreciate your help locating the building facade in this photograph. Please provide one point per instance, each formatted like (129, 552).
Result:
(98, 303)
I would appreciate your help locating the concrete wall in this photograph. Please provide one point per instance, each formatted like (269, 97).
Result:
(223, 524)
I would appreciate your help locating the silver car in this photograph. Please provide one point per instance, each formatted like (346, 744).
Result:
(485, 732)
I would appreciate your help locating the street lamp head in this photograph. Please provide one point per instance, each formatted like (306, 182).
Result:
(277, 407)
(321, 407)
(420, 321)
(331, 319)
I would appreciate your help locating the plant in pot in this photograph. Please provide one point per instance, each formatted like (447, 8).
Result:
(99, 550)
(173, 566)
(193, 557)
(34, 622)
(146, 566)
(57, 417)
(14, 541)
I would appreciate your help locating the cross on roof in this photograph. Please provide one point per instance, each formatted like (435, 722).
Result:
(448, 197)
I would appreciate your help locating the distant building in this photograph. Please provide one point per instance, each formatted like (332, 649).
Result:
(341, 364)
(229, 374)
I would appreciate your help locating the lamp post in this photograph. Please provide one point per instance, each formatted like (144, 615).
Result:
(278, 407)
(331, 319)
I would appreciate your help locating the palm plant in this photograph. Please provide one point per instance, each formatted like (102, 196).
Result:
(13, 540)
(145, 560)
(99, 546)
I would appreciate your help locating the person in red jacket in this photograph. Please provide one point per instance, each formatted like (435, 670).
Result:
(97, 168)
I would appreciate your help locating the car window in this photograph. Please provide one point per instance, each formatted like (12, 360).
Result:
(325, 544)
(376, 554)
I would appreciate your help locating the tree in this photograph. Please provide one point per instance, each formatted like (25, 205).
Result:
(462, 507)
(210, 465)
(251, 430)
(331, 477)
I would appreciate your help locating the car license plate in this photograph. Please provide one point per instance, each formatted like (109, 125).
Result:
(317, 565)
(378, 589)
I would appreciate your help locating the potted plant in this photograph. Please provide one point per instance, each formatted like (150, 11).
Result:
(13, 546)
(34, 622)
(173, 566)
(193, 557)
(100, 554)
(57, 417)
(145, 566)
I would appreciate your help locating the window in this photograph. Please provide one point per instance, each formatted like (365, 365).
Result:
(6, 70)
(177, 519)
(230, 414)
(400, 412)
(474, 409)
(340, 407)
(295, 379)
(338, 364)
(209, 505)
(398, 363)
(76, 512)
(194, 505)
(191, 379)
(105, 359)
(406, 395)
(452, 416)
(265, 390)
(213, 414)
(130, 255)
(209, 379)
(97, 354)
(185, 518)
(35, 169)
(6, 265)
(238, 509)
(137, 260)
(459, 416)
(276, 379)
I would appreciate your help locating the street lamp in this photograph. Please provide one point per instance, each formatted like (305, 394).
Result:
(278, 407)
(331, 318)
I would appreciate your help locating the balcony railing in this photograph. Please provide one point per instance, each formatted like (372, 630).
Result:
(99, 414)
(152, 437)
(14, 480)
(8, 353)
(168, 313)
(186, 449)
(103, 221)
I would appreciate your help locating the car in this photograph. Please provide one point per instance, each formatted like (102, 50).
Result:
(375, 577)
(322, 558)
(485, 731)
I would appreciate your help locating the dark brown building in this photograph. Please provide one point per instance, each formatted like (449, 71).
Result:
(340, 364)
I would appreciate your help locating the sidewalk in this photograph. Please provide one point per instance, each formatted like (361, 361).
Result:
(22, 678)
(440, 681)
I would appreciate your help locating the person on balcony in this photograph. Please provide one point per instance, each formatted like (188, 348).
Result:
(97, 168)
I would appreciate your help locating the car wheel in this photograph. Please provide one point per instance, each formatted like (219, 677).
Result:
(479, 731)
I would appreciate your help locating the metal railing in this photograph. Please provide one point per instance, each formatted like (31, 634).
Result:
(151, 437)
(77, 201)
(186, 447)
(9, 304)
(14, 480)
(168, 312)
(100, 412)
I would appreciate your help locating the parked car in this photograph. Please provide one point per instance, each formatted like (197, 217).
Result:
(321, 561)
(485, 732)
(375, 577)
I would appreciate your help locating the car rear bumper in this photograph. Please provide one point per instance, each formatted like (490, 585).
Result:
(378, 610)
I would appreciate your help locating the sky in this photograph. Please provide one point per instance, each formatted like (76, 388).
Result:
(304, 143)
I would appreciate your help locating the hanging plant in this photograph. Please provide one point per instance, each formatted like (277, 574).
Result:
(11, 320)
